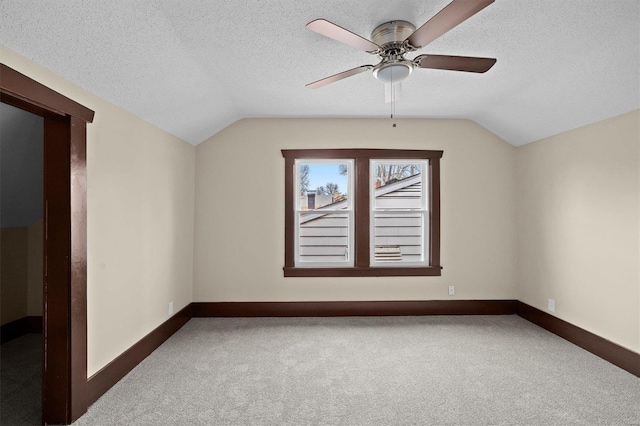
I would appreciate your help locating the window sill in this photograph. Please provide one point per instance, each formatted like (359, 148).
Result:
(433, 271)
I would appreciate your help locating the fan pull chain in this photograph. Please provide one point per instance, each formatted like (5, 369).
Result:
(393, 100)
(393, 96)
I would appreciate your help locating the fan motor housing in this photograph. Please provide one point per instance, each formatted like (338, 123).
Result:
(392, 33)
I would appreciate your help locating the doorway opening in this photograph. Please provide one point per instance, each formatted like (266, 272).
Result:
(64, 242)
(21, 261)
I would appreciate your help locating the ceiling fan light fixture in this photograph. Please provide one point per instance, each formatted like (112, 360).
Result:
(391, 73)
(391, 40)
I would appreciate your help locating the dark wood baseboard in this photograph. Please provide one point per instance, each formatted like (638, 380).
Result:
(20, 327)
(339, 309)
(605, 349)
(110, 374)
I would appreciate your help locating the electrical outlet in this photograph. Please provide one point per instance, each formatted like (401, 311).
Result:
(170, 308)
(551, 305)
(452, 290)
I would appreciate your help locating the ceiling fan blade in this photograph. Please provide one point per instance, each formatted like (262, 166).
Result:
(453, 14)
(455, 63)
(331, 30)
(339, 76)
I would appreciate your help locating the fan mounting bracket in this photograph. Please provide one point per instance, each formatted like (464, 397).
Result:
(391, 36)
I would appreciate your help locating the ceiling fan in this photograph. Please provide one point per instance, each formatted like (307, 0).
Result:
(392, 40)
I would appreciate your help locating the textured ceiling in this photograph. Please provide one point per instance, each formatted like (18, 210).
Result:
(192, 67)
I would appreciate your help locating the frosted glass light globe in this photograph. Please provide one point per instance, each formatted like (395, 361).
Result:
(393, 73)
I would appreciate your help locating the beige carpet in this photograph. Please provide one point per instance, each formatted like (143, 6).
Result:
(437, 370)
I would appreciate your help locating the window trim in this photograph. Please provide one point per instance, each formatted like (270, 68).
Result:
(362, 158)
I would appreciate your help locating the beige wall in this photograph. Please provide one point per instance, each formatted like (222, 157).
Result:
(13, 274)
(572, 233)
(578, 214)
(239, 243)
(140, 190)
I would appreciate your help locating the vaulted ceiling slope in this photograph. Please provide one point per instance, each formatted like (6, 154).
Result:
(21, 167)
(193, 67)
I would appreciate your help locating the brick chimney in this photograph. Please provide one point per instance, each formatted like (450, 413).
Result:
(311, 200)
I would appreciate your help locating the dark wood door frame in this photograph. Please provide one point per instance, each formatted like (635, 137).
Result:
(64, 382)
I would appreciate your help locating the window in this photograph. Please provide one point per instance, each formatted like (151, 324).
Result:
(398, 213)
(362, 212)
(324, 213)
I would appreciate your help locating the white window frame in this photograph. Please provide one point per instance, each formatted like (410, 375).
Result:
(349, 255)
(424, 209)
